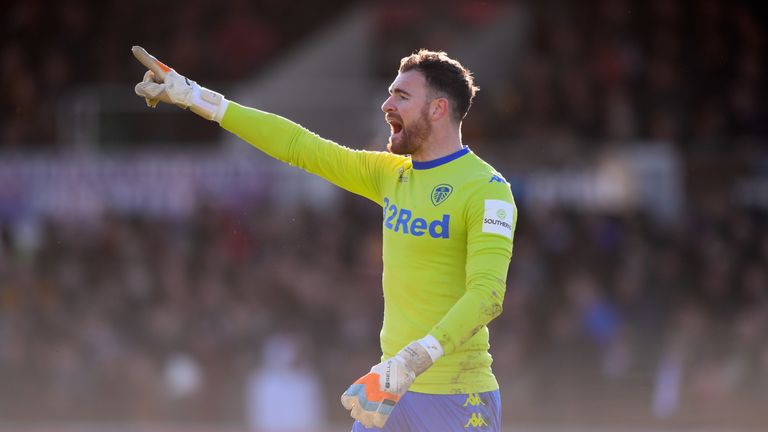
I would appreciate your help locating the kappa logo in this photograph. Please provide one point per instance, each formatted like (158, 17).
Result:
(473, 399)
(496, 179)
(441, 193)
(401, 177)
(476, 420)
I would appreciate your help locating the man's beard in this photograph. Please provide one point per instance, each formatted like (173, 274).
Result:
(412, 138)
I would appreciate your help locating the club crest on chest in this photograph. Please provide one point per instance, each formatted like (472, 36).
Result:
(440, 193)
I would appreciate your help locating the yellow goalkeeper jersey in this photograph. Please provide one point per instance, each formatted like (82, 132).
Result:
(448, 226)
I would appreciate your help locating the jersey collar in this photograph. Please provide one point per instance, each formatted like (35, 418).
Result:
(440, 161)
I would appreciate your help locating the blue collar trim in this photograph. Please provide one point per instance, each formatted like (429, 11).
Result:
(440, 161)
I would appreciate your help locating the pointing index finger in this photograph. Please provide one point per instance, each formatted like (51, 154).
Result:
(150, 62)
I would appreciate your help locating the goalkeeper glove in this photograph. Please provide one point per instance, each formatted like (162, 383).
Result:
(163, 84)
(373, 396)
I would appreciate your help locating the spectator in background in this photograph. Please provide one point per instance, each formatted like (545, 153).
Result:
(284, 393)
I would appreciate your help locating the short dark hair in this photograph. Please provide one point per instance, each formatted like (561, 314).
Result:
(445, 76)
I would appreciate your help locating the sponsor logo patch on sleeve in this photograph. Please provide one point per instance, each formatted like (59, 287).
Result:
(498, 217)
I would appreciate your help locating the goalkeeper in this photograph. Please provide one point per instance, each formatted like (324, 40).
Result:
(448, 225)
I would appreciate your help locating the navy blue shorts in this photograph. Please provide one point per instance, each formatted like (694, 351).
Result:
(421, 412)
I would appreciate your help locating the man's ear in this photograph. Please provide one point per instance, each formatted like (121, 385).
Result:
(439, 108)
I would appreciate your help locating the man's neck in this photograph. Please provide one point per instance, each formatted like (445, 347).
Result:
(439, 145)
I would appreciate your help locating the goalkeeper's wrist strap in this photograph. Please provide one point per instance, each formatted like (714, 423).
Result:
(421, 354)
(208, 104)
(432, 346)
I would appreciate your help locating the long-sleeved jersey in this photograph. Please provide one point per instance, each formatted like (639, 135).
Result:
(448, 227)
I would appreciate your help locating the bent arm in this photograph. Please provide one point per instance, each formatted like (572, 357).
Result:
(491, 223)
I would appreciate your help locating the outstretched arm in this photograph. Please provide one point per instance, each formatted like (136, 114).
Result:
(357, 171)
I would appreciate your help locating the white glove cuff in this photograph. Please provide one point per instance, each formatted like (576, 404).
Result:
(432, 346)
(221, 110)
(207, 103)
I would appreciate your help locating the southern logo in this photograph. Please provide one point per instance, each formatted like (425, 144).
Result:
(498, 217)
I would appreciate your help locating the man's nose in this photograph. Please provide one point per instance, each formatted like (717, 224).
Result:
(387, 105)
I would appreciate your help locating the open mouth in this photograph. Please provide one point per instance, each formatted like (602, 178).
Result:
(395, 125)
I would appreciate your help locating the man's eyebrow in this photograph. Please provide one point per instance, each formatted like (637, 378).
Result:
(398, 90)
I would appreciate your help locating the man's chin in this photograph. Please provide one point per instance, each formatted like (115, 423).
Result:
(395, 146)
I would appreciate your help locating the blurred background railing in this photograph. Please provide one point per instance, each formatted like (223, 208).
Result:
(158, 274)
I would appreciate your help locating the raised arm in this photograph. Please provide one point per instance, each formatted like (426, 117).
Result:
(359, 172)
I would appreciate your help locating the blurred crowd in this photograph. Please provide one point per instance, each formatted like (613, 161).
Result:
(51, 47)
(608, 317)
(612, 71)
(169, 319)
